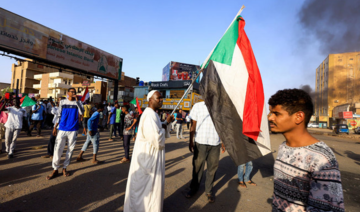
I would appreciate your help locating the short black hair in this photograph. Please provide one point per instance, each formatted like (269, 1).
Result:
(100, 106)
(72, 89)
(294, 100)
(126, 107)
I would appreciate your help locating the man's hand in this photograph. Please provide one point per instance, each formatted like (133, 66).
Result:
(91, 133)
(222, 148)
(191, 146)
(54, 132)
(170, 119)
(127, 129)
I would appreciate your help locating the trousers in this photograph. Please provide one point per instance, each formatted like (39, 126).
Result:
(38, 126)
(94, 140)
(126, 145)
(51, 144)
(179, 130)
(2, 134)
(11, 136)
(60, 141)
(210, 155)
(246, 176)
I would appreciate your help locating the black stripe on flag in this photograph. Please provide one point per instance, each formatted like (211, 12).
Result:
(226, 119)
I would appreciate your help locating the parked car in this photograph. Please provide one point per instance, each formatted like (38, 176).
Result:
(357, 130)
(341, 128)
(313, 125)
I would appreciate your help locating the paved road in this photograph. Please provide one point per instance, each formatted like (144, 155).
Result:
(101, 187)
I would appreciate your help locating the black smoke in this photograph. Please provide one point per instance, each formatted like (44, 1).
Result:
(334, 23)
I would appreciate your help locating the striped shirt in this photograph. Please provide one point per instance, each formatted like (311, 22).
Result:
(307, 179)
(205, 129)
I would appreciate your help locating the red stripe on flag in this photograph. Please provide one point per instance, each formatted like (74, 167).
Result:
(84, 97)
(138, 106)
(254, 100)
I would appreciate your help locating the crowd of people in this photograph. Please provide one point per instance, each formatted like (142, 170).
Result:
(306, 172)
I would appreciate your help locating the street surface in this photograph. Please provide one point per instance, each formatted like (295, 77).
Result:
(23, 186)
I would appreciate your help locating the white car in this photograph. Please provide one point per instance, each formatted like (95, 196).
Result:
(313, 125)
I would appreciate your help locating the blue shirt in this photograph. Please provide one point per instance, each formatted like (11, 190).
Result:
(69, 115)
(113, 115)
(38, 115)
(93, 122)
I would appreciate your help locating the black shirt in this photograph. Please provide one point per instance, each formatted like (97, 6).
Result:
(179, 115)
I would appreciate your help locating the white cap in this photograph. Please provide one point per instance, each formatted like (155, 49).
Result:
(150, 94)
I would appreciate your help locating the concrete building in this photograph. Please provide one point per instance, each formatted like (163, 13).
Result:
(126, 89)
(337, 83)
(57, 84)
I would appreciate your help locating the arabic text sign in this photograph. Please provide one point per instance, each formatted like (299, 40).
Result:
(24, 37)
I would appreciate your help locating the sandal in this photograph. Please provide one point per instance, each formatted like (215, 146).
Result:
(52, 175)
(66, 174)
(251, 183)
(211, 198)
(242, 184)
(125, 160)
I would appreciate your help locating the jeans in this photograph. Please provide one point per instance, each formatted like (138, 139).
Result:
(94, 140)
(112, 127)
(126, 145)
(211, 155)
(246, 176)
(51, 144)
(179, 130)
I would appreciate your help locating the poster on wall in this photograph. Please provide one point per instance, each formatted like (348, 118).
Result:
(183, 71)
(166, 72)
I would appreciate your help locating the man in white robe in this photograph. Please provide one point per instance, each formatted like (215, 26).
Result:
(145, 184)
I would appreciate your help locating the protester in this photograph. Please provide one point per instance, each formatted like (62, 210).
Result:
(55, 113)
(306, 172)
(174, 122)
(246, 176)
(164, 116)
(49, 115)
(93, 135)
(122, 120)
(3, 119)
(179, 122)
(128, 125)
(146, 179)
(69, 111)
(37, 117)
(87, 108)
(118, 121)
(13, 125)
(44, 104)
(106, 113)
(206, 149)
(112, 119)
(188, 120)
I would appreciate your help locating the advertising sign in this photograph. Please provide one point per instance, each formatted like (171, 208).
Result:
(182, 71)
(323, 118)
(346, 115)
(26, 38)
(166, 72)
(173, 84)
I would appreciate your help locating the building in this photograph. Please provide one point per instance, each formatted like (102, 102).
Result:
(57, 84)
(125, 90)
(337, 83)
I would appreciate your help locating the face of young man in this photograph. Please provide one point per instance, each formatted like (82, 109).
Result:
(72, 93)
(281, 121)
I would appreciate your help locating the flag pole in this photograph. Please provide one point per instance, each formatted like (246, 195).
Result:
(203, 65)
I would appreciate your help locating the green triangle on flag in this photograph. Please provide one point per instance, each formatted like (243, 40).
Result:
(28, 102)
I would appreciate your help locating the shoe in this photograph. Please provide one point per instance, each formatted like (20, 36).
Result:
(10, 156)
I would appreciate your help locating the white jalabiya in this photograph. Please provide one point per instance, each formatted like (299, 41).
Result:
(145, 184)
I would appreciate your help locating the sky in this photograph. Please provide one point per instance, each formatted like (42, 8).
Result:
(150, 34)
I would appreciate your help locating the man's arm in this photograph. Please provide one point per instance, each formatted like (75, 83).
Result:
(109, 117)
(192, 133)
(326, 193)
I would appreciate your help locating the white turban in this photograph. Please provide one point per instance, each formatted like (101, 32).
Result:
(150, 94)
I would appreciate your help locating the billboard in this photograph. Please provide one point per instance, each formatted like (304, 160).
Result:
(26, 38)
(166, 72)
(183, 71)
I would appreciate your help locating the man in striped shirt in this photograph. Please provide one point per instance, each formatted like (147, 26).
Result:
(69, 111)
(306, 172)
